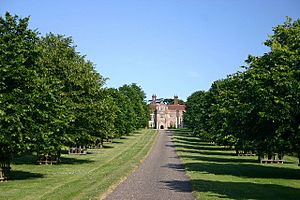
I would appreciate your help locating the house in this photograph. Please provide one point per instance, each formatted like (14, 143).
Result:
(166, 116)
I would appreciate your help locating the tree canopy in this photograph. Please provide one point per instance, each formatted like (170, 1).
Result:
(52, 97)
(257, 109)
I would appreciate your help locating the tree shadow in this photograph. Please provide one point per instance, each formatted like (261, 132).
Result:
(178, 186)
(170, 145)
(68, 160)
(117, 142)
(193, 141)
(217, 159)
(237, 190)
(245, 170)
(23, 175)
(105, 146)
(197, 143)
(202, 147)
(175, 166)
(25, 159)
(188, 151)
(220, 153)
(32, 159)
(180, 131)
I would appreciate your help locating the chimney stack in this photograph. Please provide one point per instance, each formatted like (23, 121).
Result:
(154, 99)
(175, 100)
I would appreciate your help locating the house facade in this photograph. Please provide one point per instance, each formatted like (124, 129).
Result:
(166, 116)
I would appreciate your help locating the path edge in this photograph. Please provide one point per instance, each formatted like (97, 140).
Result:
(185, 170)
(122, 179)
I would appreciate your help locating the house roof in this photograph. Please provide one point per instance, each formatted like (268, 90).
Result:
(176, 107)
(170, 107)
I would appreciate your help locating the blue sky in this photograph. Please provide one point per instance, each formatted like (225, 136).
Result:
(166, 46)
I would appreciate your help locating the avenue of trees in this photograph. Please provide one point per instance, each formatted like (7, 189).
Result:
(52, 97)
(256, 110)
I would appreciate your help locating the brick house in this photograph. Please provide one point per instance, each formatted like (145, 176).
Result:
(166, 116)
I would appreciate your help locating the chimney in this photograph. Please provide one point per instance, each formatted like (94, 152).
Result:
(153, 99)
(175, 100)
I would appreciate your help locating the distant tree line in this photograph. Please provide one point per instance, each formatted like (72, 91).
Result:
(52, 97)
(258, 109)
(169, 101)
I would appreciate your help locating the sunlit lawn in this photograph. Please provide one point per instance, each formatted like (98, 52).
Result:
(216, 173)
(80, 176)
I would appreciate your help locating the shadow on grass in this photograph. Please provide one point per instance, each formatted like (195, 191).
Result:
(196, 143)
(105, 146)
(220, 153)
(175, 166)
(245, 170)
(170, 145)
(23, 175)
(218, 159)
(67, 160)
(186, 133)
(202, 147)
(237, 190)
(25, 159)
(180, 131)
(32, 159)
(117, 142)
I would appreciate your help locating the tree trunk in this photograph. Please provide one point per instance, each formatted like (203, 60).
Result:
(5, 158)
(270, 155)
(101, 143)
(280, 155)
(4, 169)
(236, 151)
(260, 156)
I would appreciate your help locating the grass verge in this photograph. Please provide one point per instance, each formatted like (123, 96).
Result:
(216, 173)
(79, 176)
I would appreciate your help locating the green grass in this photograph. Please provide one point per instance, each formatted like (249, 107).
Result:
(216, 173)
(80, 176)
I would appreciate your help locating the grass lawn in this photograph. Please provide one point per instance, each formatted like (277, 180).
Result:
(79, 176)
(216, 173)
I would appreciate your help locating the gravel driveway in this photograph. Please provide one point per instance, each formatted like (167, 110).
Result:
(160, 176)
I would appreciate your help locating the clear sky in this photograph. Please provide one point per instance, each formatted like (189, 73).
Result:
(166, 46)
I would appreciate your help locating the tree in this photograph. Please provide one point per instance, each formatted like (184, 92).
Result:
(257, 109)
(171, 101)
(195, 109)
(124, 112)
(136, 97)
(86, 102)
(275, 80)
(19, 82)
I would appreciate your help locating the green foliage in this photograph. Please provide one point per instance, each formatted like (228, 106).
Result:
(258, 108)
(132, 111)
(136, 100)
(195, 111)
(19, 83)
(171, 101)
(51, 97)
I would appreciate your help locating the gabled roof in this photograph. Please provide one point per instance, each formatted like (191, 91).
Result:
(176, 107)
